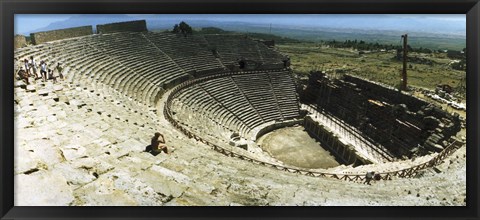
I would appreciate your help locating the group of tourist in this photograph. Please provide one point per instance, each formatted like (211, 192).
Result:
(29, 68)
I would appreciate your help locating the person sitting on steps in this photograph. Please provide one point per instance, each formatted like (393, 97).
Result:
(23, 75)
(157, 145)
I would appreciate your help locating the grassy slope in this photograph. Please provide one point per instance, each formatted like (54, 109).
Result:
(307, 56)
(375, 66)
(432, 41)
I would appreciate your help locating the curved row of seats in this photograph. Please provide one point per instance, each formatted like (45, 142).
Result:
(241, 102)
(185, 51)
(234, 46)
(125, 61)
(140, 65)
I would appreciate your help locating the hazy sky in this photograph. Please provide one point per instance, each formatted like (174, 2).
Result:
(27, 23)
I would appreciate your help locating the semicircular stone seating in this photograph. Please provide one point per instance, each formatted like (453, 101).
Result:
(231, 47)
(144, 65)
(238, 102)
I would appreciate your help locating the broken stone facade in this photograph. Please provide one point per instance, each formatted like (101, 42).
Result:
(403, 124)
(128, 26)
(47, 36)
(19, 41)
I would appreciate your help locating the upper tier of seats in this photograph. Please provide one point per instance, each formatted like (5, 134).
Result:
(232, 47)
(143, 65)
(185, 51)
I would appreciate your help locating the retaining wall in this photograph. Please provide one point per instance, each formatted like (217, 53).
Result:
(265, 128)
(19, 41)
(413, 103)
(128, 26)
(46, 36)
(343, 151)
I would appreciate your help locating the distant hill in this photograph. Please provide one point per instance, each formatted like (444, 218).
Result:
(85, 19)
(416, 39)
(212, 30)
(276, 38)
(430, 33)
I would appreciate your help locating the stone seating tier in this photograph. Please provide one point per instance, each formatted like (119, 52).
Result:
(242, 102)
(232, 47)
(140, 65)
(184, 50)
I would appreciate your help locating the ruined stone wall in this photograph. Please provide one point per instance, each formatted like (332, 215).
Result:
(19, 41)
(46, 36)
(128, 26)
(268, 43)
(269, 66)
(266, 128)
(341, 150)
(397, 121)
(413, 103)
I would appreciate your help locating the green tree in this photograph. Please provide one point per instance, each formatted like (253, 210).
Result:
(182, 28)
(176, 30)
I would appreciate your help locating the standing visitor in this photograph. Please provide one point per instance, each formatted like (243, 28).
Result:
(27, 67)
(33, 66)
(369, 177)
(43, 70)
(59, 69)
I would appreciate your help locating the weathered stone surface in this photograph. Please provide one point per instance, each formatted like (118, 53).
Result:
(72, 152)
(22, 122)
(54, 97)
(80, 138)
(162, 184)
(75, 176)
(61, 114)
(97, 166)
(42, 111)
(42, 188)
(77, 103)
(180, 178)
(51, 118)
(133, 145)
(20, 83)
(101, 142)
(31, 88)
(117, 188)
(62, 98)
(45, 151)
(25, 160)
(43, 92)
(58, 87)
(102, 192)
